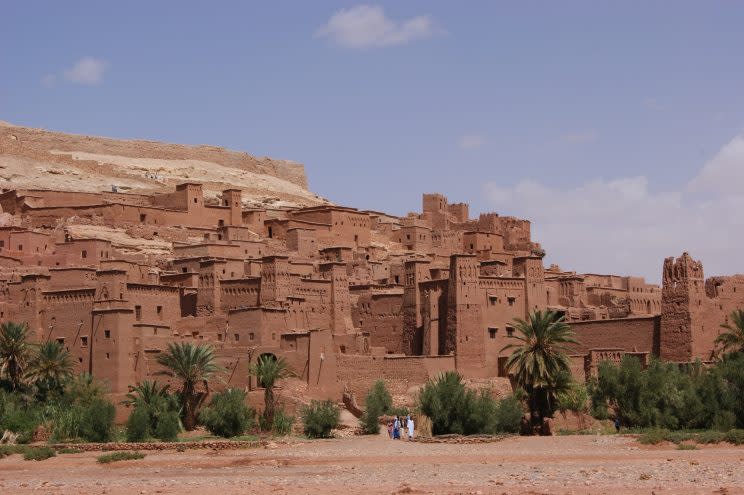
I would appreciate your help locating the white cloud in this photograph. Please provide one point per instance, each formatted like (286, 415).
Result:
(471, 141)
(579, 137)
(366, 26)
(724, 173)
(87, 70)
(623, 226)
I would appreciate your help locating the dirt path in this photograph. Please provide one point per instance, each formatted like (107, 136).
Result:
(554, 465)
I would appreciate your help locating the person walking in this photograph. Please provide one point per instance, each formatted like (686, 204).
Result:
(396, 429)
(390, 429)
(410, 427)
(617, 424)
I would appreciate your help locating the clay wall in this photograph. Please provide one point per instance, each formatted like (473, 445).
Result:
(237, 293)
(303, 242)
(380, 315)
(400, 373)
(635, 334)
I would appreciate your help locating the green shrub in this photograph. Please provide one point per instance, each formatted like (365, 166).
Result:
(227, 415)
(653, 437)
(97, 423)
(679, 436)
(666, 395)
(735, 437)
(711, 436)
(7, 450)
(724, 421)
(687, 446)
(282, 423)
(119, 456)
(378, 402)
(453, 409)
(509, 413)
(38, 453)
(574, 398)
(19, 417)
(319, 418)
(138, 425)
(168, 426)
(67, 424)
(69, 450)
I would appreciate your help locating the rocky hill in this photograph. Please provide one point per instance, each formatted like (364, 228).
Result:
(39, 159)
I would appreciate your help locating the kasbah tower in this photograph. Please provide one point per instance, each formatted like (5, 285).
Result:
(117, 272)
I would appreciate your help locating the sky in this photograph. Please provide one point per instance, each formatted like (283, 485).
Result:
(616, 127)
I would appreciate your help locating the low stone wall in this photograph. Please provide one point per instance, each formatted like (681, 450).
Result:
(214, 445)
(460, 439)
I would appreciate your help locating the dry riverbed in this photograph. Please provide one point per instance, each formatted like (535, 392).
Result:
(517, 465)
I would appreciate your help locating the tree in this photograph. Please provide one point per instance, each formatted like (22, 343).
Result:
(732, 340)
(378, 402)
(148, 393)
(268, 370)
(191, 364)
(539, 361)
(15, 352)
(50, 367)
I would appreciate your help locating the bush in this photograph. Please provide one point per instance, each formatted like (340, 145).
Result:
(98, 421)
(69, 450)
(119, 456)
(653, 437)
(668, 396)
(319, 418)
(19, 417)
(377, 403)
(711, 437)
(453, 409)
(67, 424)
(138, 425)
(7, 450)
(282, 423)
(227, 415)
(687, 446)
(38, 453)
(168, 426)
(735, 437)
(509, 415)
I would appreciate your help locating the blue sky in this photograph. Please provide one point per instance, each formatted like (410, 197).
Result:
(617, 128)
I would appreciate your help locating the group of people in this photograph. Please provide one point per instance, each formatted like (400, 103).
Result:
(400, 428)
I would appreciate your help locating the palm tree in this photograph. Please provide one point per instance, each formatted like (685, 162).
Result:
(50, 367)
(191, 364)
(148, 393)
(268, 369)
(15, 352)
(732, 340)
(539, 361)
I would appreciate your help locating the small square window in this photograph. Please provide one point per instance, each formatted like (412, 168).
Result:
(251, 336)
(84, 341)
(107, 334)
(61, 340)
(492, 332)
(511, 300)
(237, 337)
(108, 356)
(138, 313)
(159, 310)
(510, 331)
(219, 337)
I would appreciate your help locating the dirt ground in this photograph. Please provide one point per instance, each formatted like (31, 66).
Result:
(520, 465)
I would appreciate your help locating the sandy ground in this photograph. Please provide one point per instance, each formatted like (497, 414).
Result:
(555, 465)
